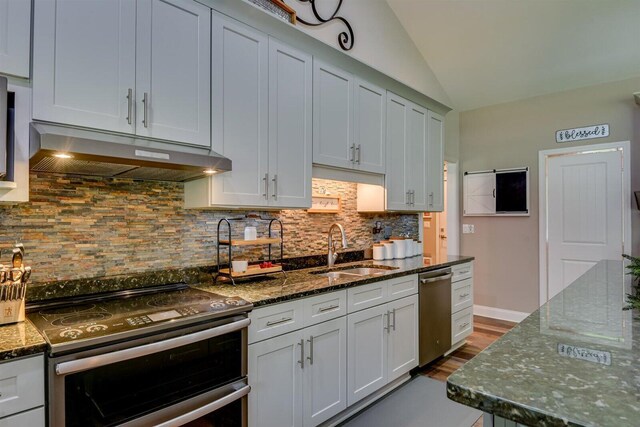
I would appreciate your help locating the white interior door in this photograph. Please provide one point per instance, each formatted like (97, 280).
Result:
(585, 214)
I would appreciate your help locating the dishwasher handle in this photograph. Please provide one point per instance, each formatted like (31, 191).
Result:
(437, 278)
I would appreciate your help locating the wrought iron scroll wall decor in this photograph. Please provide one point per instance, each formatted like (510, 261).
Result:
(345, 38)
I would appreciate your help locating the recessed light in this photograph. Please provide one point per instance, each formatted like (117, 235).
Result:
(63, 156)
(210, 171)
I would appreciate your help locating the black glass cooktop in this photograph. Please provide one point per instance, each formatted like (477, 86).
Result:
(112, 314)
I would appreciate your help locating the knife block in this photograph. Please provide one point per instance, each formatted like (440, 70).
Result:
(12, 311)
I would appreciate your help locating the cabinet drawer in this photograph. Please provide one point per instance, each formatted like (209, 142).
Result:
(32, 418)
(275, 320)
(461, 295)
(324, 307)
(21, 385)
(365, 296)
(461, 325)
(402, 286)
(462, 271)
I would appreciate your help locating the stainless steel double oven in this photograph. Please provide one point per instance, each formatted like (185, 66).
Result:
(195, 375)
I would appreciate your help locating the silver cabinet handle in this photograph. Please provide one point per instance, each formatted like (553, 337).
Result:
(386, 328)
(277, 322)
(464, 325)
(310, 357)
(394, 319)
(431, 199)
(353, 153)
(463, 296)
(129, 105)
(301, 361)
(331, 307)
(358, 154)
(79, 365)
(413, 197)
(145, 101)
(464, 272)
(408, 197)
(266, 186)
(275, 187)
(437, 279)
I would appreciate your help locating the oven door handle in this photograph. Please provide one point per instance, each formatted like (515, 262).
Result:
(74, 366)
(206, 409)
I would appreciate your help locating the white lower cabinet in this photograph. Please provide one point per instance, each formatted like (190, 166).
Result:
(275, 378)
(325, 371)
(311, 358)
(299, 379)
(461, 303)
(402, 348)
(366, 352)
(22, 392)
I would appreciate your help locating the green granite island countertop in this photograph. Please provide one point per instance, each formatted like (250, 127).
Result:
(573, 362)
(276, 288)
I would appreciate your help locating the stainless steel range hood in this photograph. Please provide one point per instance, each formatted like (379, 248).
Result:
(60, 149)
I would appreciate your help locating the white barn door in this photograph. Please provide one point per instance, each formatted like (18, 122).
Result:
(585, 214)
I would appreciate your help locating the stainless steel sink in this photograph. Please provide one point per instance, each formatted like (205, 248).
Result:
(366, 271)
(354, 272)
(340, 275)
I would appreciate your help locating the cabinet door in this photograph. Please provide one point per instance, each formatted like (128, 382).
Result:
(366, 352)
(435, 167)
(290, 126)
(403, 337)
(173, 71)
(240, 58)
(397, 125)
(480, 194)
(369, 119)
(325, 374)
(416, 172)
(84, 63)
(332, 116)
(275, 377)
(15, 20)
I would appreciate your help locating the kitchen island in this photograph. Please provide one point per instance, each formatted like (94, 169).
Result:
(573, 362)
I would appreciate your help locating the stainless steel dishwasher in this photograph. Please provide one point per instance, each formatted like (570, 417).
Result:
(435, 314)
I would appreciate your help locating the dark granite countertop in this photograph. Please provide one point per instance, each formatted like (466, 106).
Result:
(276, 288)
(20, 339)
(528, 376)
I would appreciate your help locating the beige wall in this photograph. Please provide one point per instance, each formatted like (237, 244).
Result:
(510, 135)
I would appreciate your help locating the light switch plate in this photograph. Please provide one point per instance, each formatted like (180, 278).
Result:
(468, 228)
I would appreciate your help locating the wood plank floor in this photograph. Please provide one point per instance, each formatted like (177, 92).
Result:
(485, 331)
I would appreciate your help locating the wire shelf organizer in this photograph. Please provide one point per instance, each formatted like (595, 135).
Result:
(254, 269)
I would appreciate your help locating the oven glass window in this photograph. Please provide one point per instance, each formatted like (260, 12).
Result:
(123, 391)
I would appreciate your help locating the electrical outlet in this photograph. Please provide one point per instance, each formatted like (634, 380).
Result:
(468, 228)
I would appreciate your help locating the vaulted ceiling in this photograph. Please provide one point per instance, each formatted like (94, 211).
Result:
(486, 52)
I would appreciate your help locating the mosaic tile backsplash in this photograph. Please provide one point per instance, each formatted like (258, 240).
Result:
(84, 227)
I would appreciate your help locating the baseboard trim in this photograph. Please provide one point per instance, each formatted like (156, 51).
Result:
(499, 313)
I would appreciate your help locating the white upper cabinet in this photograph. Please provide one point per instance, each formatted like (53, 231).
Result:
(332, 116)
(417, 149)
(140, 67)
(349, 121)
(397, 127)
(369, 126)
(15, 37)
(262, 121)
(435, 183)
(290, 126)
(407, 179)
(84, 63)
(173, 71)
(240, 95)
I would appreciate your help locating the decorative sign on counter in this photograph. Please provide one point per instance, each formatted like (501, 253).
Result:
(325, 204)
(578, 134)
(590, 355)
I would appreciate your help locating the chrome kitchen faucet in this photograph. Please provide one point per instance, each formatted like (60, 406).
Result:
(332, 255)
